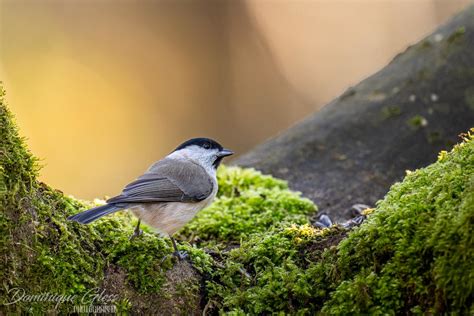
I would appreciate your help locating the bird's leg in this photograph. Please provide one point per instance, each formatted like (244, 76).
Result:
(137, 232)
(181, 255)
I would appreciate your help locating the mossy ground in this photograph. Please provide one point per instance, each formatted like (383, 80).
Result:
(413, 254)
(253, 251)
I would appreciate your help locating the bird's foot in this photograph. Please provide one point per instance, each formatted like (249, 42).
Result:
(181, 255)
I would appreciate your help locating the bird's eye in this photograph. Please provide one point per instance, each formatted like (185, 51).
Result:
(206, 145)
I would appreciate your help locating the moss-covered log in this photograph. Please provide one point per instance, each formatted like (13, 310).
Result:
(253, 251)
(357, 146)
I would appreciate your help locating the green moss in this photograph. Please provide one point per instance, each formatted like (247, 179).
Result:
(417, 122)
(390, 111)
(414, 251)
(413, 255)
(270, 271)
(456, 35)
(425, 44)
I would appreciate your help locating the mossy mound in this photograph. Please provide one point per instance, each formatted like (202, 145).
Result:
(414, 254)
(253, 251)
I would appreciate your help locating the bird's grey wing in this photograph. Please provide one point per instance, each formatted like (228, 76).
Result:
(168, 181)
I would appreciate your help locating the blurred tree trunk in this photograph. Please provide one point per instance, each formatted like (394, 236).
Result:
(356, 147)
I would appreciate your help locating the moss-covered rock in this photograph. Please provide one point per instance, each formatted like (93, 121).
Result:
(253, 251)
(413, 255)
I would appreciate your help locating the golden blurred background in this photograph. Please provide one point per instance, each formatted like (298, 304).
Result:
(101, 89)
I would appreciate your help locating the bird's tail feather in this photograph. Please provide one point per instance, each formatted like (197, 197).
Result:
(91, 215)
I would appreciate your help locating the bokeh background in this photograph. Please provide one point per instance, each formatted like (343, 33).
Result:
(101, 89)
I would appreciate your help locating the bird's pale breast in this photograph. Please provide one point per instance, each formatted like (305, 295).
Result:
(167, 218)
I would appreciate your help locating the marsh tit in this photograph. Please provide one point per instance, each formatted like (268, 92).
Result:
(170, 193)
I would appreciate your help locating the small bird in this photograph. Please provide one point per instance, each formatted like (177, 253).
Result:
(170, 193)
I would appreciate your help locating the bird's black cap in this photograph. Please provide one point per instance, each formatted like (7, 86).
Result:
(203, 142)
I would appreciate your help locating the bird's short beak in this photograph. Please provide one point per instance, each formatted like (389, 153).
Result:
(225, 152)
